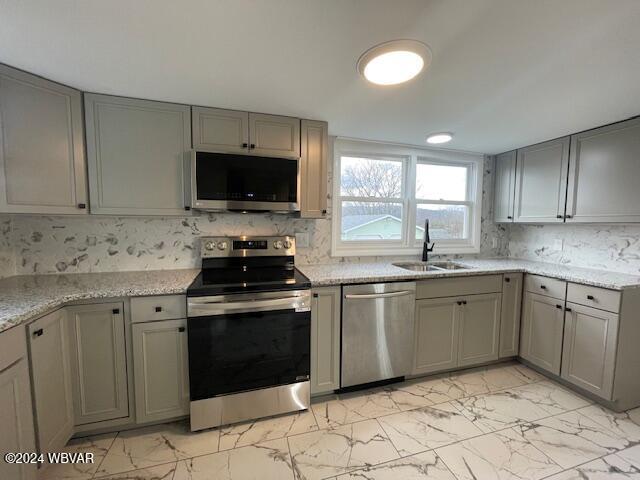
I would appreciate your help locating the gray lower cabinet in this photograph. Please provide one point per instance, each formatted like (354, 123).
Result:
(542, 330)
(314, 155)
(51, 380)
(161, 370)
(42, 160)
(510, 314)
(220, 130)
(274, 135)
(436, 342)
(16, 414)
(541, 181)
(479, 334)
(504, 187)
(136, 154)
(325, 340)
(98, 362)
(603, 174)
(589, 352)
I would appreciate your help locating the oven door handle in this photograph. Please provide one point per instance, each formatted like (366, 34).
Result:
(200, 308)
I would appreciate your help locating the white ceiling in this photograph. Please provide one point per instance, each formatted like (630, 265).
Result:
(505, 73)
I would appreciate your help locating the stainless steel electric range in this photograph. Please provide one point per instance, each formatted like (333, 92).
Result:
(249, 327)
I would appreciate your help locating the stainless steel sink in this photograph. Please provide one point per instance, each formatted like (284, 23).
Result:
(430, 267)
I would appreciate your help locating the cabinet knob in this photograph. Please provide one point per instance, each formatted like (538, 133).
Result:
(568, 309)
(252, 146)
(315, 295)
(559, 306)
(507, 279)
(245, 145)
(543, 287)
(187, 208)
(324, 212)
(181, 329)
(158, 309)
(116, 311)
(38, 333)
(590, 297)
(509, 217)
(82, 206)
(567, 216)
(464, 302)
(559, 216)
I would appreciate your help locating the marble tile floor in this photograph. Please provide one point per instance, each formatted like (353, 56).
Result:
(501, 422)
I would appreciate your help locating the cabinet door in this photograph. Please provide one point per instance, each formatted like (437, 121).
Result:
(98, 364)
(436, 335)
(589, 353)
(505, 184)
(161, 370)
(274, 135)
(541, 182)
(479, 329)
(218, 130)
(51, 377)
(325, 340)
(603, 174)
(314, 154)
(510, 315)
(542, 326)
(16, 418)
(42, 167)
(137, 151)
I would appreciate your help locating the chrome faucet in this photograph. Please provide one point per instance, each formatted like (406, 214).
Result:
(425, 247)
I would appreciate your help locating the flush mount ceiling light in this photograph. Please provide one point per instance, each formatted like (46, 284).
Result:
(394, 62)
(441, 137)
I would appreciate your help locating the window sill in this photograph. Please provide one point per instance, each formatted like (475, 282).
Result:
(343, 251)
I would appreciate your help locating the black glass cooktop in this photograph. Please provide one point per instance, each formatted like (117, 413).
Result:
(242, 277)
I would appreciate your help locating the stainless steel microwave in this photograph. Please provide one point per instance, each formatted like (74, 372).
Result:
(222, 181)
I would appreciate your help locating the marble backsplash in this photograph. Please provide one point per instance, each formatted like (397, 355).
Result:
(608, 247)
(53, 244)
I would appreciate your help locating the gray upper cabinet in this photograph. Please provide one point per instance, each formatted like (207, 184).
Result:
(314, 155)
(325, 340)
(542, 329)
(51, 381)
(161, 370)
(136, 155)
(274, 135)
(98, 364)
(603, 174)
(504, 188)
(219, 130)
(479, 329)
(510, 315)
(42, 162)
(589, 352)
(541, 180)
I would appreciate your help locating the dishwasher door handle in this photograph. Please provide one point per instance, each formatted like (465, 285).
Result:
(363, 296)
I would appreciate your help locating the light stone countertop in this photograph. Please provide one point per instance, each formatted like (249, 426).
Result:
(349, 273)
(25, 297)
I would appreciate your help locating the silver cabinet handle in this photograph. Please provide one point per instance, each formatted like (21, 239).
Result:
(401, 293)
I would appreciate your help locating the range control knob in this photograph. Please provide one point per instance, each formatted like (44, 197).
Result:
(209, 245)
(287, 244)
(222, 245)
(277, 244)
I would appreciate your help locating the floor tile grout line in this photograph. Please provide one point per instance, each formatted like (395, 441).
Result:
(105, 455)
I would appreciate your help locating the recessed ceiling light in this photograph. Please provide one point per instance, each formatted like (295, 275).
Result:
(394, 62)
(442, 137)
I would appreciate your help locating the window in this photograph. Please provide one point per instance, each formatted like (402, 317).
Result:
(383, 195)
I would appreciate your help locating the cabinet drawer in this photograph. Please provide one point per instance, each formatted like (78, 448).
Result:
(451, 287)
(160, 307)
(13, 346)
(594, 297)
(545, 286)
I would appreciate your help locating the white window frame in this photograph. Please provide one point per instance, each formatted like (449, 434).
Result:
(409, 156)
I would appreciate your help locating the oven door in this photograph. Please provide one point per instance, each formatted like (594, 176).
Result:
(222, 181)
(248, 341)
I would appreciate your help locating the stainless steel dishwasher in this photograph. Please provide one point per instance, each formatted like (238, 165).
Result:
(377, 332)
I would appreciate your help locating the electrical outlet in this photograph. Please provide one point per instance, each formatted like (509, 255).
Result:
(302, 240)
(494, 242)
(558, 244)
